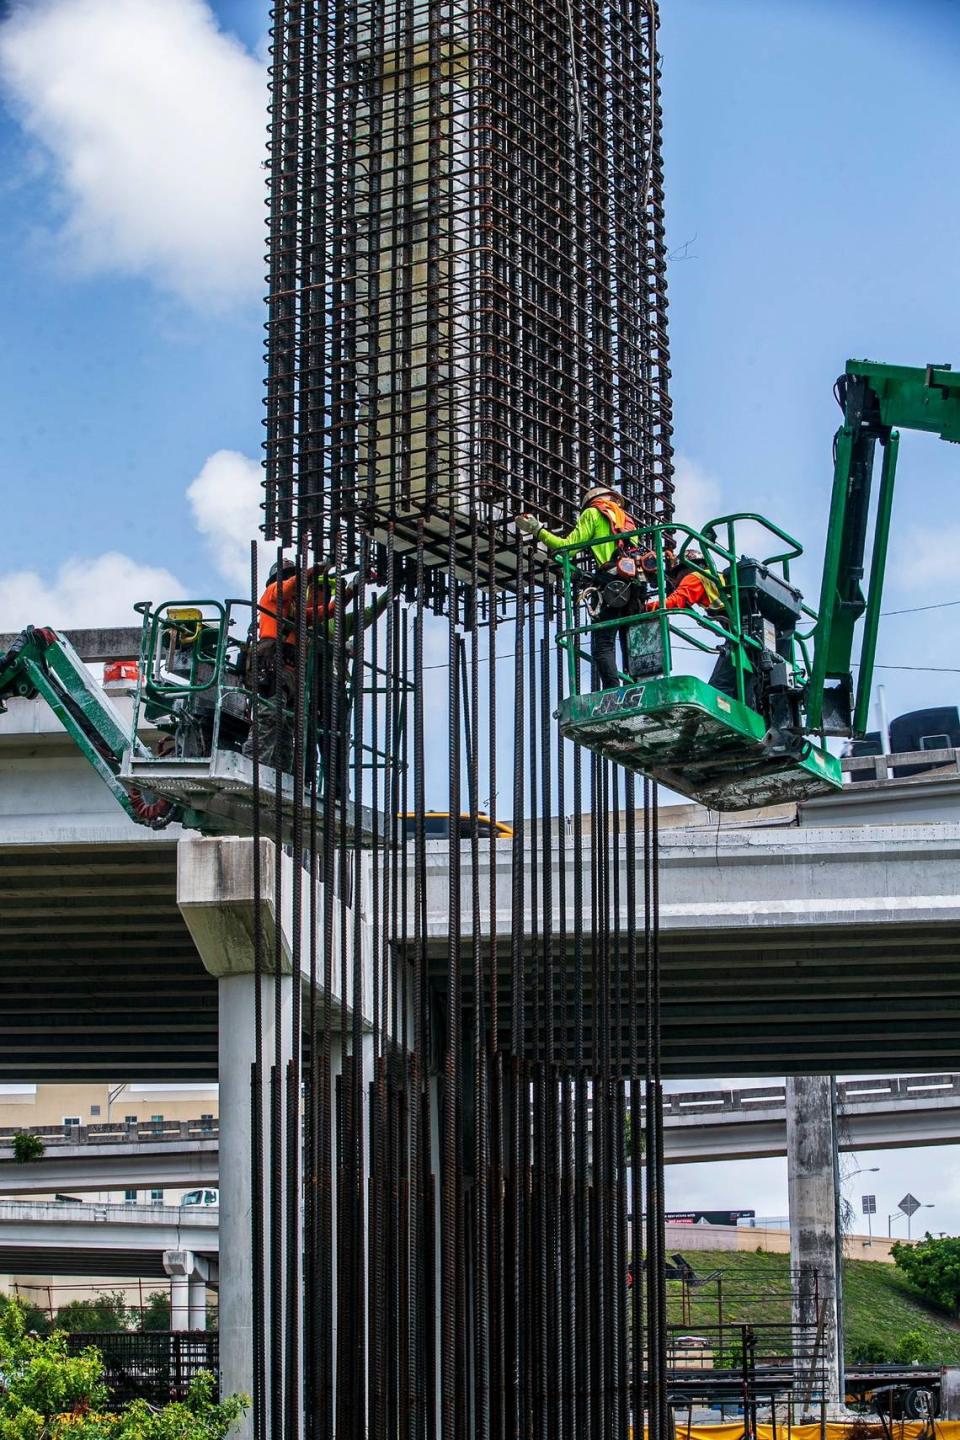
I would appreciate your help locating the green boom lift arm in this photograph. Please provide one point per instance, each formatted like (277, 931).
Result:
(877, 401)
(42, 662)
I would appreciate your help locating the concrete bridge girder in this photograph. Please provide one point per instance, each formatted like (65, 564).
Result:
(856, 965)
(910, 1112)
(64, 1239)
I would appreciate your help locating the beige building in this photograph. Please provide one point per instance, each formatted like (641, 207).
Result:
(41, 1105)
(54, 1109)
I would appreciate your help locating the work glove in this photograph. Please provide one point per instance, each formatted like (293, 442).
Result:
(528, 525)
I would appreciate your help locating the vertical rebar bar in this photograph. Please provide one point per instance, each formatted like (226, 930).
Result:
(467, 318)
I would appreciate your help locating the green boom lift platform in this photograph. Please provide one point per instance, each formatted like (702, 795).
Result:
(762, 739)
(180, 758)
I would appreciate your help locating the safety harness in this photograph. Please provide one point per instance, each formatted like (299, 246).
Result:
(615, 577)
(626, 563)
(621, 524)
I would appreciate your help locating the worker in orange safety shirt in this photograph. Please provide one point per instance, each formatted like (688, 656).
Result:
(689, 584)
(279, 599)
(278, 609)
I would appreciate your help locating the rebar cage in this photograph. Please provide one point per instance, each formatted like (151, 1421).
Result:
(467, 268)
(467, 318)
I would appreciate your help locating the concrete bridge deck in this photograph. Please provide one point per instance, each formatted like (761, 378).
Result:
(785, 949)
(65, 1239)
(876, 1114)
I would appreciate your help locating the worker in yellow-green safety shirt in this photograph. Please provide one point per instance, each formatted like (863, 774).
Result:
(603, 517)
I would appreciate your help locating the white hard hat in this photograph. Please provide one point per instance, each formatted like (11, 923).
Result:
(595, 492)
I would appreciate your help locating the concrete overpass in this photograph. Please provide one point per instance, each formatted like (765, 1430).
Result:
(808, 930)
(121, 1240)
(877, 1114)
(798, 950)
(87, 1162)
(838, 947)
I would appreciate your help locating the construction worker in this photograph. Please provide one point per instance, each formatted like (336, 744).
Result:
(278, 608)
(689, 583)
(335, 686)
(277, 613)
(611, 594)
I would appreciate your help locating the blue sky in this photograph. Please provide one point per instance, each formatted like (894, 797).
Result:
(809, 169)
(813, 207)
(117, 385)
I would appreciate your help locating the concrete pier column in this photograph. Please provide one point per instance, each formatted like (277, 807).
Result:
(813, 1189)
(198, 1303)
(179, 1302)
(189, 1274)
(215, 893)
(237, 1054)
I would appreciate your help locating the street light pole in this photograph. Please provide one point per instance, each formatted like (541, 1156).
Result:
(865, 1170)
(113, 1093)
(930, 1205)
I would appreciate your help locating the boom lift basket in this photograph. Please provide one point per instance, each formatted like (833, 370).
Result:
(677, 728)
(193, 689)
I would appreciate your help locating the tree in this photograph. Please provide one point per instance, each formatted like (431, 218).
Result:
(628, 1136)
(49, 1394)
(199, 1417)
(933, 1266)
(35, 1319)
(156, 1312)
(869, 1352)
(100, 1314)
(40, 1380)
(915, 1348)
(27, 1147)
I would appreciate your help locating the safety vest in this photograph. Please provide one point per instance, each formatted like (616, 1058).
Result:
(714, 602)
(619, 521)
(278, 607)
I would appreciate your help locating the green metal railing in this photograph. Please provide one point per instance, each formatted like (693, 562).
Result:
(210, 637)
(719, 557)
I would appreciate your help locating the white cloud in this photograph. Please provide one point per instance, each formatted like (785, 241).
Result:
(932, 551)
(225, 499)
(99, 591)
(697, 495)
(153, 120)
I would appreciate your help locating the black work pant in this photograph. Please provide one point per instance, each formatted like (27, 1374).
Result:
(274, 723)
(724, 677)
(603, 644)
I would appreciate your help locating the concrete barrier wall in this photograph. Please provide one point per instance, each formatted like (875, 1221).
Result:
(774, 1242)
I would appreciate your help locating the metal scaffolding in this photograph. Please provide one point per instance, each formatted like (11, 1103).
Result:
(467, 317)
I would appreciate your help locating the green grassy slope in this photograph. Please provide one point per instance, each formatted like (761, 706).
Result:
(879, 1303)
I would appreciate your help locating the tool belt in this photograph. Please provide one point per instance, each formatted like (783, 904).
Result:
(606, 590)
(267, 670)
